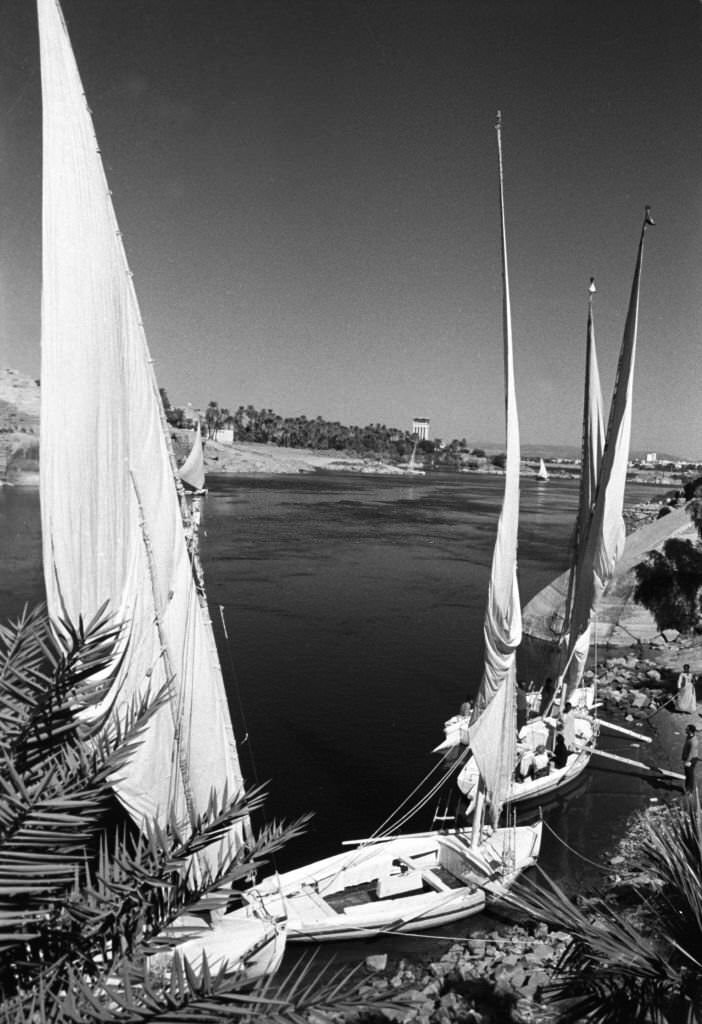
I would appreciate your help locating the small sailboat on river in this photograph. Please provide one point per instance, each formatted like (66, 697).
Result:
(397, 883)
(115, 525)
(542, 472)
(412, 469)
(600, 536)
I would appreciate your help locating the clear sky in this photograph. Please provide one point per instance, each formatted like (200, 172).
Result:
(307, 192)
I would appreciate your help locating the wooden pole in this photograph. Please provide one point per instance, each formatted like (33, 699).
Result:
(639, 764)
(625, 732)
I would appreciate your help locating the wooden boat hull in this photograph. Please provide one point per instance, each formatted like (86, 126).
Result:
(238, 944)
(530, 790)
(403, 884)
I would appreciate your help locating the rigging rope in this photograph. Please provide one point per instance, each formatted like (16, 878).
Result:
(240, 704)
(392, 823)
(600, 867)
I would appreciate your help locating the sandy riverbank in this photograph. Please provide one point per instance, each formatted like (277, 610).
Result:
(250, 457)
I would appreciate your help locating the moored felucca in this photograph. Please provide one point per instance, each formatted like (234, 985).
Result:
(599, 543)
(413, 882)
(113, 521)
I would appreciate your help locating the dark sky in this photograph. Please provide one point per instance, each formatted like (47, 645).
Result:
(307, 192)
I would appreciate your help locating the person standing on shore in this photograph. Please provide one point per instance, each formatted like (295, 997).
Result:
(690, 757)
(686, 700)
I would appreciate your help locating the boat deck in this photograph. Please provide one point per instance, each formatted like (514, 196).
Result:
(435, 880)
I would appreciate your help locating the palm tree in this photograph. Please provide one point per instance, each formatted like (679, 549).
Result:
(212, 418)
(645, 967)
(84, 896)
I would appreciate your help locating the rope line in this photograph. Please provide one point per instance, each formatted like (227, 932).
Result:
(600, 867)
(392, 823)
(240, 704)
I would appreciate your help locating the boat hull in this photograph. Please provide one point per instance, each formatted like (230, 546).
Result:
(236, 944)
(403, 884)
(529, 791)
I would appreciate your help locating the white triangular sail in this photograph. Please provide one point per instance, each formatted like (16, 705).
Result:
(493, 724)
(542, 472)
(111, 520)
(192, 472)
(604, 532)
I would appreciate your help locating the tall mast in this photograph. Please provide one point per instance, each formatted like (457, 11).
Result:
(493, 724)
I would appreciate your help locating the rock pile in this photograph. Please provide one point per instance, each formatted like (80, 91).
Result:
(631, 686)
(493, 975)
(638, 515)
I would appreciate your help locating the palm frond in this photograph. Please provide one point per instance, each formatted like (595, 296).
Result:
(613, 971)
(309, 992)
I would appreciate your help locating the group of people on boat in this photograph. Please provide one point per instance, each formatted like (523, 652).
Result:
(537, 763)
(547, 737)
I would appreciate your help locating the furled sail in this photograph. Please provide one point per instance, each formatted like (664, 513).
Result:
(111, 519)
(493, 725)
(593, 439)
(605, 533)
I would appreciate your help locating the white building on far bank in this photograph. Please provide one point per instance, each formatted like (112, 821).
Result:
(420, 427)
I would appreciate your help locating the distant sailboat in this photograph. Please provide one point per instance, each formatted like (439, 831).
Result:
(408, 883)
(599, 542)
(542, 472)
(412, 467)
(114, 527)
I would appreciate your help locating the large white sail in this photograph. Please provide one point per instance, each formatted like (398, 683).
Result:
(493, 724)
(111, 519)
(605, 533)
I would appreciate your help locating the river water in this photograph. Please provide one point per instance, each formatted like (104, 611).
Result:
(353, 609)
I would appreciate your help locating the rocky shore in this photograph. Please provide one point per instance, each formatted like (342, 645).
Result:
(496, 975)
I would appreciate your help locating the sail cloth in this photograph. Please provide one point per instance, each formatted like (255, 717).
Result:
(493, 724)
(592, 447)
(192, 472)
(111, 521)
(605, 533)
(620, 620)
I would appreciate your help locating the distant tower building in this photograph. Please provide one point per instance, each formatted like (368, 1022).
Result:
(420, 427)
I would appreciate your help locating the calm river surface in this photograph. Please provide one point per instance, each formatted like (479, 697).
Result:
(354, 610)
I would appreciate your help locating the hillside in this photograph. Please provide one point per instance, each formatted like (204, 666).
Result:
(19, 427)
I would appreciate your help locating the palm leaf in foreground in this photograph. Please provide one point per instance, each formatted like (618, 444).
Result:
(85, 897)
(308, 992)
(621, 967)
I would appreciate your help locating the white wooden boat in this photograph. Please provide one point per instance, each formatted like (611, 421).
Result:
(115, 524)
(406, 883)
(538, 788)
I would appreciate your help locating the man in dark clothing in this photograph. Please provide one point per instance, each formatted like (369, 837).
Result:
(690, 757)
